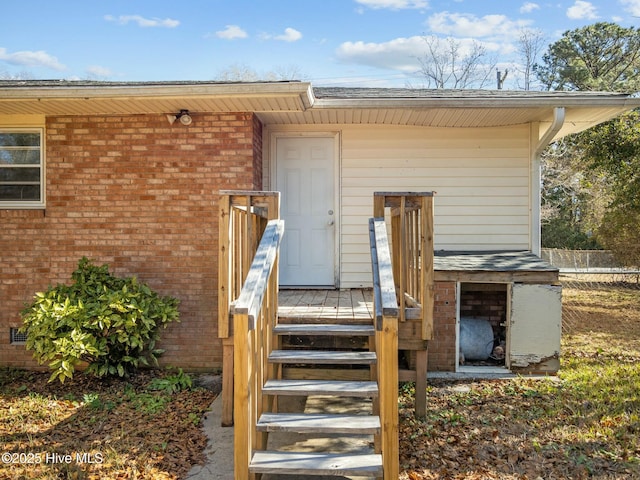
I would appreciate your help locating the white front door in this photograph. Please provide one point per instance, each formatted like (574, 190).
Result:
(305, 178)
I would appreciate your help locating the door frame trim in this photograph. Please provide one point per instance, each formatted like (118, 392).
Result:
(271, 137)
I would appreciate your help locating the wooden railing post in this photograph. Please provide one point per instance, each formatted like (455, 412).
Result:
(243, 383)
(427, 278)
(243, 216)
(386, 318)
(411, 220)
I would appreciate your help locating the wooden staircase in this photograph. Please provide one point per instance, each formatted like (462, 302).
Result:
(254, 360)
(333, 463)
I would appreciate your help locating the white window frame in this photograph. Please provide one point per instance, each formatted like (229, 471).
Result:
(29, 204)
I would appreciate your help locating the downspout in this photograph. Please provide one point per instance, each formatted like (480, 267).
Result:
(552, 131)
(536, 177)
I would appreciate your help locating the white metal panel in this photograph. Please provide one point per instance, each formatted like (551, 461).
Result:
(535, 325)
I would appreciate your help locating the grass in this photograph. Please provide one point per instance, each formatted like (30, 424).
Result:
(583, 424)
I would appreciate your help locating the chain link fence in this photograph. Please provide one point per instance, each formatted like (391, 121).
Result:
(586, 297)
(592, 283)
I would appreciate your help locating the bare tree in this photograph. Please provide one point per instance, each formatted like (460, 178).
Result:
(24, 75)
(243, 73)
(450, 64)
(530, 45)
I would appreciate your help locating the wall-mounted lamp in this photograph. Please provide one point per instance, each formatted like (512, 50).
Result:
(183, 116)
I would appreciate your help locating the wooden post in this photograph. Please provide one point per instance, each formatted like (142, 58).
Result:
(427, 279)
(224, 270)
(224, 285)
(421, 383)
(243, 375)
(402, 257)
(388, 374)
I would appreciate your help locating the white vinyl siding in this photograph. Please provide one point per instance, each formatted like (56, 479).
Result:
(481, 178)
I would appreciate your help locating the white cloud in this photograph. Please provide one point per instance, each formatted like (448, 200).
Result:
(31, 59)
(529, 7)
(582, 10)
(401, 54)
(289, 35)
(394, 4)
(398, 54)
(142, 21)
(632, 6)
(98, 71)
(231, 32)
(468, 25)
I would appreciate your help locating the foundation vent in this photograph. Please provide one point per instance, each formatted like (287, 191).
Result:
(16, 337)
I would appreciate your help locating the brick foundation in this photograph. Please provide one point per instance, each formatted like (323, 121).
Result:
(142, 196)
(442, 349)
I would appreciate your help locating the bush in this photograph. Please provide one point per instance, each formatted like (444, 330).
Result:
(110, 323)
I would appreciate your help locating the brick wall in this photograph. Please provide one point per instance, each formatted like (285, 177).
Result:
(140, 195)
(442, 349)
(487, 301)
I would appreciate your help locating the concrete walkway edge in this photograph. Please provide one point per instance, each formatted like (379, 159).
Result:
(219, 451)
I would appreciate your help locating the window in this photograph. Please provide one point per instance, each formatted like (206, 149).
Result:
(21, 168)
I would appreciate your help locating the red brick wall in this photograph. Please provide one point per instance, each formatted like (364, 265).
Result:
(442, 349)
(141, 195)
(487, 301)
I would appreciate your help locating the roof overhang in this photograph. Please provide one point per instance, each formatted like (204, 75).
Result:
(107, 98)
(297, 103)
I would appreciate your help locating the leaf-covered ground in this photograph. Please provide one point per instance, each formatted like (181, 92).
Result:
(91, 429)
(585, 424)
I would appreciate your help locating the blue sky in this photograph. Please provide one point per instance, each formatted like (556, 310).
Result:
(327, 42)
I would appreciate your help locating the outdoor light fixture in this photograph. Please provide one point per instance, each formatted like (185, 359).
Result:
(183, 116)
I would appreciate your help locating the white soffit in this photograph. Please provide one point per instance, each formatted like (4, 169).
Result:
(296, 103)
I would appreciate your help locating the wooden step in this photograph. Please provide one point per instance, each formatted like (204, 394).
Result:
(321, 387)
(322, 357)
(298, 463)
(337, 330)
(319, 423)
(296, 320)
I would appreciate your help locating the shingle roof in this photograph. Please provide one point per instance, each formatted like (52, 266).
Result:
(494, 261)
(327, 92)
(410, 93)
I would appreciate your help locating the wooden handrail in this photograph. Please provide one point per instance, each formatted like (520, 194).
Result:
(242, 221)
(254, 316)
(384, 291)
(386, 319)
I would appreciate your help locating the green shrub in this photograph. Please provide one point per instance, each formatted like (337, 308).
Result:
(110, 323)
